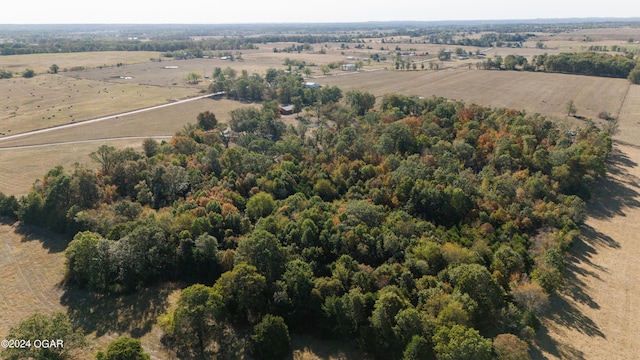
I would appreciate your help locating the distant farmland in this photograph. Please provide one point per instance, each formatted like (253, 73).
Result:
(542, 93)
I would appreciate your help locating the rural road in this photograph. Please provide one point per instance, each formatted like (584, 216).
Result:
(104, 118)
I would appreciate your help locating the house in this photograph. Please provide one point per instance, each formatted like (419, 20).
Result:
(286, 110)
(311, 85)
(349, 67)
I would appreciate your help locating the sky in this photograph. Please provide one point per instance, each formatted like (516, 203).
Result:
(287, 11)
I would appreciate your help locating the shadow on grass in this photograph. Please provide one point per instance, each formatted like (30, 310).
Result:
(51, 241)
(612, 197)
(562, 351)
(134, 314)
(312, 347)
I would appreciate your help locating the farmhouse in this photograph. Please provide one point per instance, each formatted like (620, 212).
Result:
(286, 110)
(312, 85)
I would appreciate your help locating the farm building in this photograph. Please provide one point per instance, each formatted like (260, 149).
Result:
(311, 85)
(349, 67)
(286, 110)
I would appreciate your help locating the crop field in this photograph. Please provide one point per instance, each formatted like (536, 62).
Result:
(593, 317)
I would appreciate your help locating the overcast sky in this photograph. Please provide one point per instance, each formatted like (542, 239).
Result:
(270, 11)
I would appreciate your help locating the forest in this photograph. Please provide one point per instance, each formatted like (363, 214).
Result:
(415, 227)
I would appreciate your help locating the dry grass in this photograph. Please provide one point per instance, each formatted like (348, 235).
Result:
(542, 93)
(21, 167)
(31, 269)
(595, 317)
(40, 63)
(50, 100)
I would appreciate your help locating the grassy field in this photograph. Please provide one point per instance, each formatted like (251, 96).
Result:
(50, 100)
(542, 93)
(31, 269)
(40, 63)
(595, 316)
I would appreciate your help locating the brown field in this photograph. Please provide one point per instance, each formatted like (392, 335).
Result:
(595, 316)
(50, 100)
(542, 93)
(40, 63)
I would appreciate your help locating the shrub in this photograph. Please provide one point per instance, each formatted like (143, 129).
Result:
(28, 73)
(124, 348)
(271, 338)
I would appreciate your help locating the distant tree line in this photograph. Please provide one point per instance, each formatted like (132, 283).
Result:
(84, 45)
(586, 63)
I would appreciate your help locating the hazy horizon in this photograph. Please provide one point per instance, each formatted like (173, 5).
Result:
(287, 11)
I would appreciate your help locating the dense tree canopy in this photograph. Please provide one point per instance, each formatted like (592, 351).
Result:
(426, 226)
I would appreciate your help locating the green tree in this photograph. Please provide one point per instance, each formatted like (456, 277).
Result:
(124, 348)
(262, 250)
(260, 205)
(196, 322)
(417, 349)
(54, 69)
(5, 74)
(193, 77)
(330, 94)
(634, 75)
(296, 285)
(476, 281)
(107, 157)
(461, 343)
(243, 291)
(383, 319)
(360, 101)
(28, 73)
(207, 120)
(40, 327)
(150, 146)
(571, 108)
(270, 339)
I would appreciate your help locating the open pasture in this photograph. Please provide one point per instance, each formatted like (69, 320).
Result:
(40, 63)
(542, 93)
(27, 288)
(50, 100)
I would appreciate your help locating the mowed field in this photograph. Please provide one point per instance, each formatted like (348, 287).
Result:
(542, 93)
(50, 100)
(596, 315)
